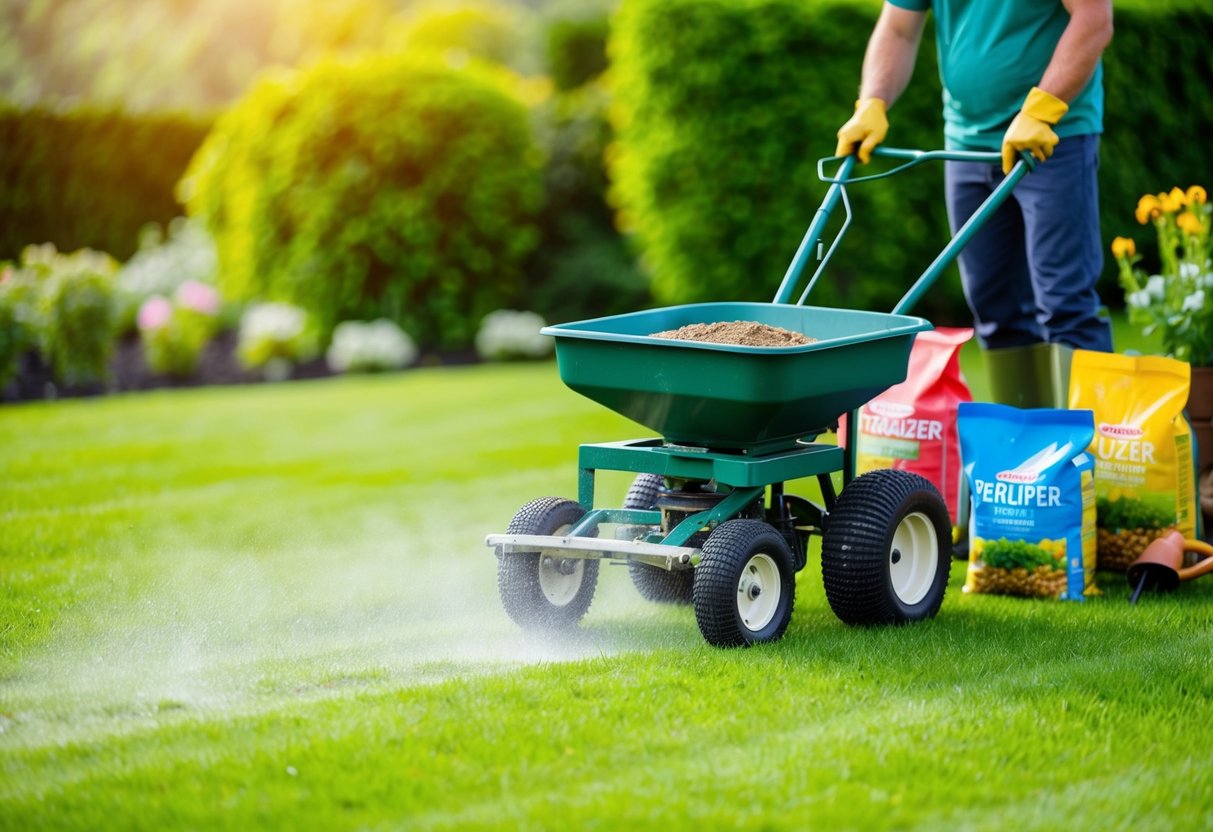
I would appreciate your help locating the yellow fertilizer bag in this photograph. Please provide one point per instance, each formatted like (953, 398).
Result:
(1032, 492)
(1144, 478)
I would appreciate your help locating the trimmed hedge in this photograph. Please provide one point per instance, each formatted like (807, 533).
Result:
(89, 179)
(385, 187)
(724, 106)
(584, 267)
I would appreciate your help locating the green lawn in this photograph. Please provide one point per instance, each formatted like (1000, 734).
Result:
(271, 607)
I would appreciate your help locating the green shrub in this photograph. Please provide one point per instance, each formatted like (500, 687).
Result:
(386, 187)
(89, 179)
(490, 30)
(724, 106)
(1158, 114)
(17, 336)
(61, 305)
(574, 43)
(584, 267)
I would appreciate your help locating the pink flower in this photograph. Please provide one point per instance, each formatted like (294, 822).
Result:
(155, 312)
(198, 297)
(6, 274)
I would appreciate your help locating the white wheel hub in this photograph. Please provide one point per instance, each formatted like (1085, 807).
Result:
(560, 578)
(913, 557)
(758, 592)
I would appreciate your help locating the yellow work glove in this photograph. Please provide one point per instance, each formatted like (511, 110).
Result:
(867, 128)
(1032, 128)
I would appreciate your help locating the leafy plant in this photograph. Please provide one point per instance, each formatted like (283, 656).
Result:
(386, 187)
(1178, 300)
(174, 332)
(61, 305)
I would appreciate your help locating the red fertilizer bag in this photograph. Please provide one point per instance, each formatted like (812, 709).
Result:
(912, 426)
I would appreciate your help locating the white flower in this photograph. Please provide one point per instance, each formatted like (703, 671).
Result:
(1194, 301)
(1139, 299)
(273, 337)
(1188, 270)
(272, 322)
(1206, 281)
(508, 334)
(367, 347)
(1157, 287)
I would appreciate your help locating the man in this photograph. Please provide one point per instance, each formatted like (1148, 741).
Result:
(1017, 76)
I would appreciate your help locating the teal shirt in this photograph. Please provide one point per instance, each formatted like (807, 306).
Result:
(991, 53)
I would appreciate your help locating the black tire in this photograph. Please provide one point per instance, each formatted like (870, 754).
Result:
(655, 584)
(742, 561)
(536, 592)
(868, 578)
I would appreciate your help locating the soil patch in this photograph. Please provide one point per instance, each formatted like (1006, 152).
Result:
(741, 333)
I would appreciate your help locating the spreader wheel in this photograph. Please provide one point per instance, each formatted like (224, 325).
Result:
(885, 553)
(744, 586)
(542, 591)
(652, 582)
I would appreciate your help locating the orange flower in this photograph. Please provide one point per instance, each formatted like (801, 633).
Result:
(1196, 195)
(1123, 247)
(1148, 207)
(1188, 222)
(1172, 202)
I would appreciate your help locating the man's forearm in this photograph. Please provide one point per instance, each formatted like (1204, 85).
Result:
(1077, 54)
(892, 50)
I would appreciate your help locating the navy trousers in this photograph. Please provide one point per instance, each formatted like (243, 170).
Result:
(1029, 274)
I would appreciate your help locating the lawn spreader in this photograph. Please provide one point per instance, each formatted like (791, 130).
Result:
(707, 519)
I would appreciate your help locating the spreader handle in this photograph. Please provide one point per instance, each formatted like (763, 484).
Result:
(837, 193)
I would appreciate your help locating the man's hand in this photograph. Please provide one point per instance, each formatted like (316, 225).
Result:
(1032, 128)
(867, 128)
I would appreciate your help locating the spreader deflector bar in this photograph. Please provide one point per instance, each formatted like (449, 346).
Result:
(652, 554)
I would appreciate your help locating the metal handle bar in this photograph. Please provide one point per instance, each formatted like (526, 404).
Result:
(837, 193)
(914, 157)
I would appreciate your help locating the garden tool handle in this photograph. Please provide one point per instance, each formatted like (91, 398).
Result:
(1202, 567)
(837, 193)
(913, 159)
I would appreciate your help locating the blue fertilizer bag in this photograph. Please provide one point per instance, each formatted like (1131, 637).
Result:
(1032, 487)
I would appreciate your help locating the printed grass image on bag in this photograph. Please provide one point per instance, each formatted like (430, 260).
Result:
(1144, 478)
(912, 425)
(1032, 516)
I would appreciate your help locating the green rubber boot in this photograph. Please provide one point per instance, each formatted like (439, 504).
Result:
(1037, 375)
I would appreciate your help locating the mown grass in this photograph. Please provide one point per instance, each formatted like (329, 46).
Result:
(271, 607)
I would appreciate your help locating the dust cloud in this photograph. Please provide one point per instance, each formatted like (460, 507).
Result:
(212, 631)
